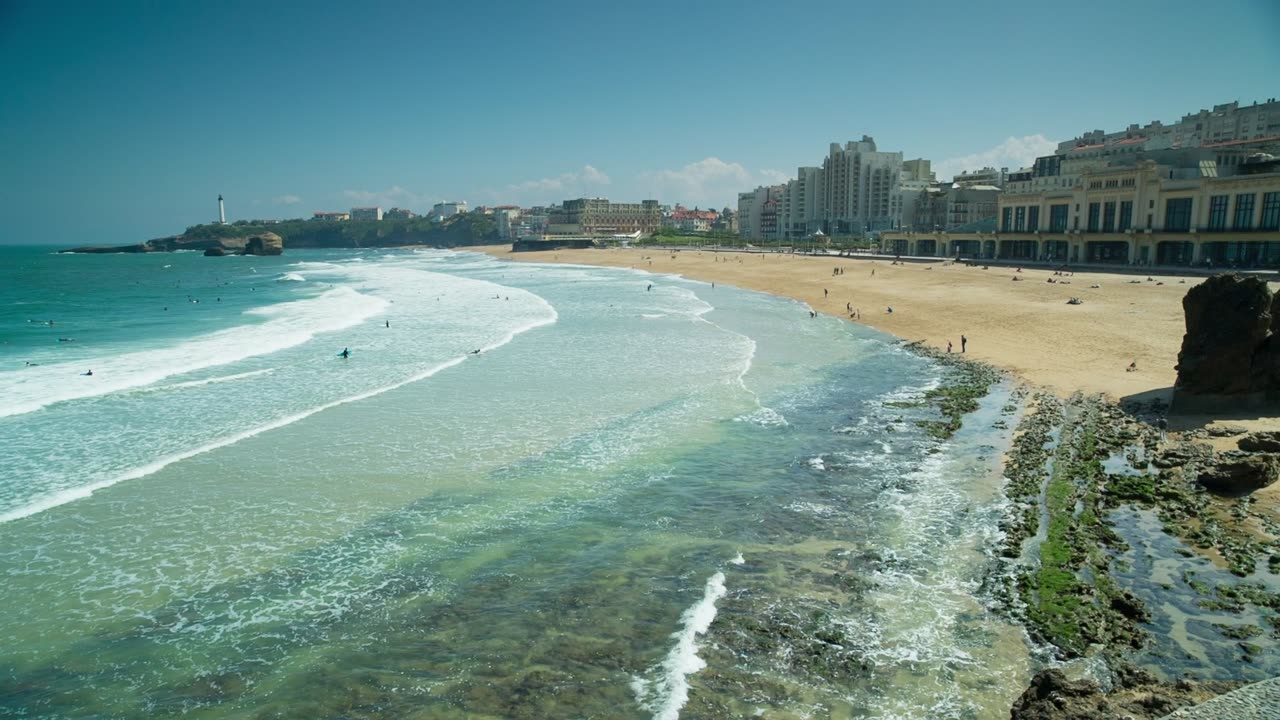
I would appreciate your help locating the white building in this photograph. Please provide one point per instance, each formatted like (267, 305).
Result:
(1228, 122)
(366, 213)
(508, 219)
(448, 208)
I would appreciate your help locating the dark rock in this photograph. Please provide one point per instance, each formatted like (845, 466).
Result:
(215, 252)
(1264, 441)
(267, 243)
(1182, 454)
(1051, 696)
(1240, 473)
(1228, 316)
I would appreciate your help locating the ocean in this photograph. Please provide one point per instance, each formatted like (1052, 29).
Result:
(643, 497)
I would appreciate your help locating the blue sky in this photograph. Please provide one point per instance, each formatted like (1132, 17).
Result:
(123, 121)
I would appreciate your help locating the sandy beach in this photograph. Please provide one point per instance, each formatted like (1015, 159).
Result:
(1023, 325)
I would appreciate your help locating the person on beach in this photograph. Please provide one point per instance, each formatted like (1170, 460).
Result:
(649, 288)
(964, 343)
(346, 353)
(948, 347)
(1133, 367)
(388, 323)
(824, 293)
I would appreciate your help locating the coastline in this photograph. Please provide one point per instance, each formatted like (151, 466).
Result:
(1087, 440)
(1025, 326)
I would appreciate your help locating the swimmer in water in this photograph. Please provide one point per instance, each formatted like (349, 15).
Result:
(474, 352)
(87, 372)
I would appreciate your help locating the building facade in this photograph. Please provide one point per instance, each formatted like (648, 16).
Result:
(449, 208)
(399, 214)
(856, 190)
(597, 217)
(366, 213)
(330, 216)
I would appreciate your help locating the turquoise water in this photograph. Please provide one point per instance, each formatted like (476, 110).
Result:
(677, 502)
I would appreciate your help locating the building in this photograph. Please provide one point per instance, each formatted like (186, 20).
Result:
(685, 220)
(855, 191)
(1173, 208)
(860, 188)
(332, 216)
(986, 176)
(751, 211)
(366, 213)
(955, 208)
(1225, 123)
(507, 217)
(442, 210)
(399, 214)
(597, 217)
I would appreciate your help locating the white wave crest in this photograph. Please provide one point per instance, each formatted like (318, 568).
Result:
(670, 691)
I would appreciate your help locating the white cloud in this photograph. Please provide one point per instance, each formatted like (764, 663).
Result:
(286, 200)
(1013, 153)
(555, 189)
(710, 182)
(394, 196)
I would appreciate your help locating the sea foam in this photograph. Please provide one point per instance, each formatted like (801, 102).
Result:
(286, 325)
(670, 691)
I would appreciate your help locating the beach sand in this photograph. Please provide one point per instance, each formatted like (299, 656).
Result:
(1023, 326)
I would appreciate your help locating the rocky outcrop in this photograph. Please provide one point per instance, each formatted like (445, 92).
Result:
(1263, 441)
(263, 243)
(1230, 355)
(267, 243)
(1240, 473)
(1135, 694)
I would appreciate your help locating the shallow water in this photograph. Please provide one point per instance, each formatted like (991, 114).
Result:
(679, 502)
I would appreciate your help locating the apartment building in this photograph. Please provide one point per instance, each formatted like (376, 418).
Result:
(366, 213)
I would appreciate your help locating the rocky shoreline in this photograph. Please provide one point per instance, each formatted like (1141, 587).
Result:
(1072, 464)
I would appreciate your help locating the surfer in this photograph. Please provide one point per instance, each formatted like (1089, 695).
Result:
(474, 352)
(388, 323)
(87, 372)
(345, 353)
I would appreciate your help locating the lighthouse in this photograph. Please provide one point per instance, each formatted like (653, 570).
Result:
(222, 211)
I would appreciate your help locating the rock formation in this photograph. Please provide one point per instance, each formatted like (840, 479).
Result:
(215, 252)
(267, 243)
(1230, 357)
(1240, 473)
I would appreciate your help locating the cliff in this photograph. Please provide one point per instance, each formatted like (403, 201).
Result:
(458, 231)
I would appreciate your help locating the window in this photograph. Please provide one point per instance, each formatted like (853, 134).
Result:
(1177, 214)
(1126, 215)
(1270, 211)
(1109, 217)
(1020, 219)
(1244, 211)
(1033, 218)
(1006, 219)
(1093, 217)
(1218, 212)
(1058, 218)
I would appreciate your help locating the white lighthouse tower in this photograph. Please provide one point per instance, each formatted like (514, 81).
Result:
(222, 211)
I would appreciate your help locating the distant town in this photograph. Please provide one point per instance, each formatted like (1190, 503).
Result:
(1201, 191)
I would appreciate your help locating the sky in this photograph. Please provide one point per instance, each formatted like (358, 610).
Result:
(122, 121)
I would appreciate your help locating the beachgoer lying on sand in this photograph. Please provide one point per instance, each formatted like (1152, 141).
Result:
(1132, 366)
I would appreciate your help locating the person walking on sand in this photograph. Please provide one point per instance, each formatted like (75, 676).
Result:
(824, 293)
(964, 343)
(948, 347)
